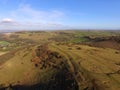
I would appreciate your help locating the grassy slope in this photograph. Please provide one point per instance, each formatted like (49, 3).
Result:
(98, 62)
(101, 64)
(12, 70)
(19, 70)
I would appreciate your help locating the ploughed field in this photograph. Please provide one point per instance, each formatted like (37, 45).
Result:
(77, 60)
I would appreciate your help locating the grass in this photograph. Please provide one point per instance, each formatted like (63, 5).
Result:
(4, 43)
(97, 62)
(79, 35)
(90, 63)
(78, 40)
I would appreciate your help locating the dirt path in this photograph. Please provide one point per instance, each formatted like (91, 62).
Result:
(2, 53)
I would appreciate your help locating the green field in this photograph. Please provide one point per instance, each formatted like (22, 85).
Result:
(4, 43)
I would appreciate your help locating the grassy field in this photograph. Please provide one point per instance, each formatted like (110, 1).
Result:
(59, 60)
(4, 43)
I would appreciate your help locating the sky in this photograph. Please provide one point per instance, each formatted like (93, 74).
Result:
(59, 14)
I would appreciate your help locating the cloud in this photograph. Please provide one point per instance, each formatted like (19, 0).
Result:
(28, 13)
(8, 22)
(26, 17)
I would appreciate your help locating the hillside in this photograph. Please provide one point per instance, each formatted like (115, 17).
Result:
(61, 66)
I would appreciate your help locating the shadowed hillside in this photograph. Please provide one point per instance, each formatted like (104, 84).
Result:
(50, 71)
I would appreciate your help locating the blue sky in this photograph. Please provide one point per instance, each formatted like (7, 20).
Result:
(59, 14)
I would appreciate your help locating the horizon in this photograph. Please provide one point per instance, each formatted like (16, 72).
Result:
(34, 30)
(59, 15)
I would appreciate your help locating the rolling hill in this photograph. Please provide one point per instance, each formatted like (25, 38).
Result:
(59, 66)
